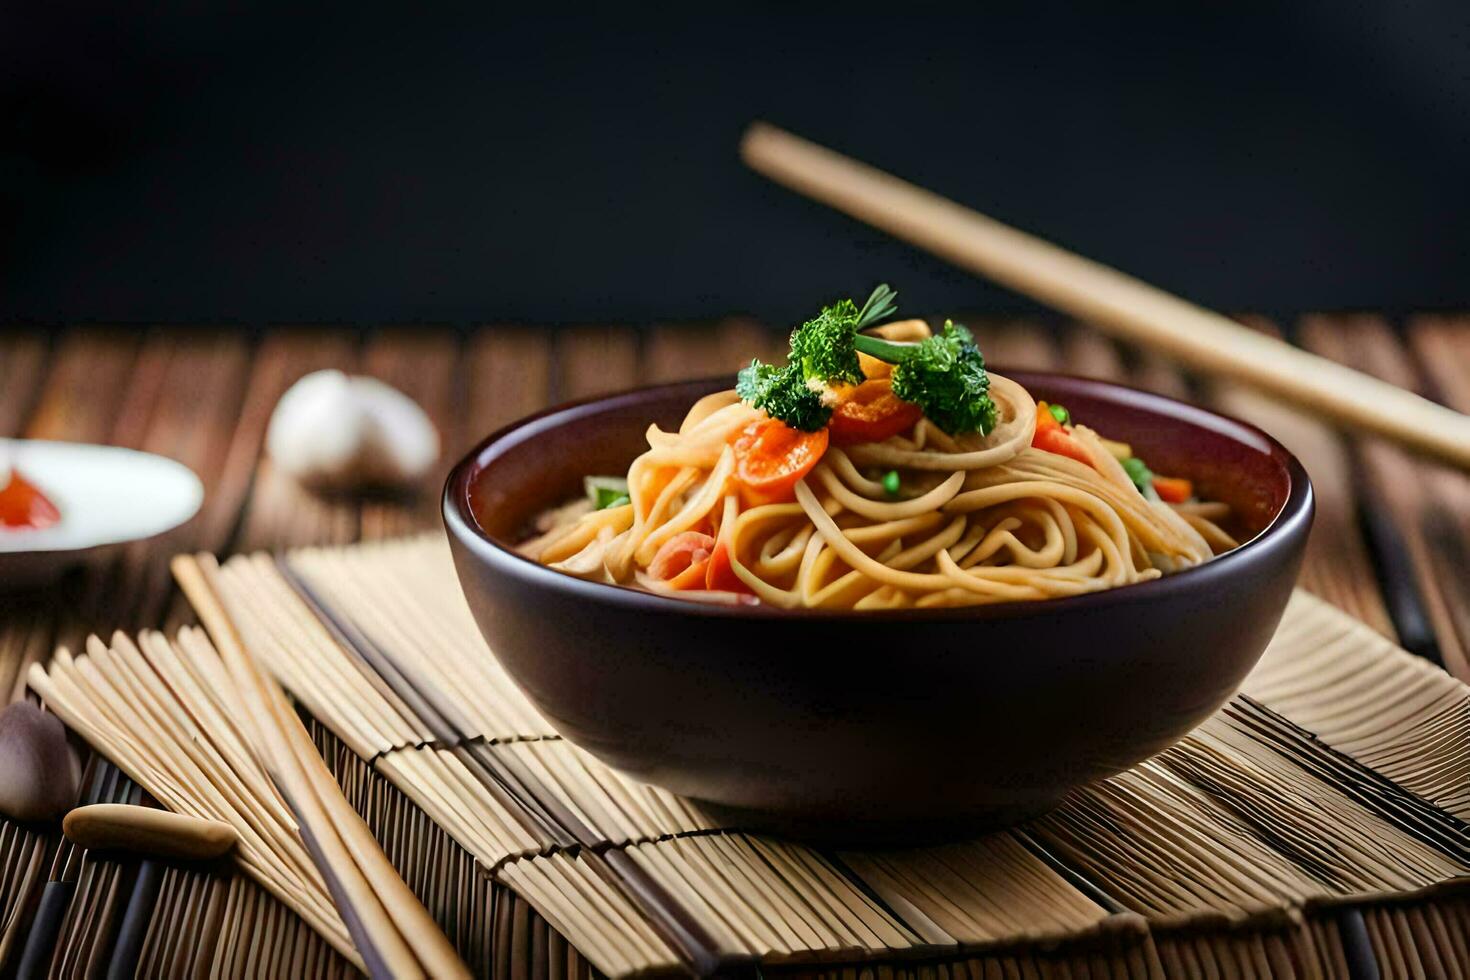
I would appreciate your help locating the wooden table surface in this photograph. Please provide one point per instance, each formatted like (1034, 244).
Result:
(1391, 544)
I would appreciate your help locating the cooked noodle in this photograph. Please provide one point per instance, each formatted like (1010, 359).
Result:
(983, 519)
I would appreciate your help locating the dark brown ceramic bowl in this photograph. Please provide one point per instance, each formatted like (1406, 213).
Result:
(864, 726)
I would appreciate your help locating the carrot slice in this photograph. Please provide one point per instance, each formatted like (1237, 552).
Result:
(720, 576)
(1053, 438)
(1173, 489)
(871, 412)
(770, 456)
(692, 577)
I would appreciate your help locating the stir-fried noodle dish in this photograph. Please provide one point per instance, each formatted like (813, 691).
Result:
(881, 467)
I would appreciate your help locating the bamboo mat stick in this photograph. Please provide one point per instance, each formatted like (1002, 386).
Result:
(1103, 296)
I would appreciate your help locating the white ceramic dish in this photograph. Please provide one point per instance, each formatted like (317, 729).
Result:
(107, 496)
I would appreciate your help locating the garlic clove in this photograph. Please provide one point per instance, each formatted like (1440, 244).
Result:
(401, 443)
(334, 432)
(316, 431)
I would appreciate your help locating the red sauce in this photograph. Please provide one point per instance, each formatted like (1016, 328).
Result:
(23, 505)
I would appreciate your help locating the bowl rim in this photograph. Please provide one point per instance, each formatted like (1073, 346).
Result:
(1291, 521)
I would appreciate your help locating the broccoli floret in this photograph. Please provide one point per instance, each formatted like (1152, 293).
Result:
(944, 375)
(824, 346)
(783, 394)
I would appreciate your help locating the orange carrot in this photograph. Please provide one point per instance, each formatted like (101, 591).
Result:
(770, 456)
(1173, 489)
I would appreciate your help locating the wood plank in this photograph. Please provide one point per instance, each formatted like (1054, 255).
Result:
(101, 599)
(680, 352)
(194, 411)
(1091, 354)
(509, 377)
(1424, 501)
(421, 362)
(1129, 365)
(91, 393)
(1099, 356)
(594, 361)
(1154, 372)
(1338, 565)
(25, 637)
(26, 629)
(22, 369)
(89, 376)
(1015, 345)
(1441, 345)
(279, 513)
(271, 368)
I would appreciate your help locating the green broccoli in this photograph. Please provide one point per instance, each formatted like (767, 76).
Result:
(826, 347)
(784, 395)
(944, 375)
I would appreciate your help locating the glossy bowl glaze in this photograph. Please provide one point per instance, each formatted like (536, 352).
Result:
(878, 725)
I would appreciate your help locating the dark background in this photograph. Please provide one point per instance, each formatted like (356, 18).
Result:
(377, 164)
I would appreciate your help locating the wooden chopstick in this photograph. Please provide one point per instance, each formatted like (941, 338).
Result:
(1109, 299)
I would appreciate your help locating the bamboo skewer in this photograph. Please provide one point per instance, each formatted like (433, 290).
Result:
(1111, 300)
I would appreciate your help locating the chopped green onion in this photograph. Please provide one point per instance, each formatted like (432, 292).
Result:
(1141, 475)
(1137, 471)
(1059, 413)
(890, 483)
(606, 491)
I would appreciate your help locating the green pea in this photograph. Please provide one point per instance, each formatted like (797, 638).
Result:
(890, 483)
(1059, 413)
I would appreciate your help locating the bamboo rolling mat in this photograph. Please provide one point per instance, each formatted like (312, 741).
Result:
(178, 719)
(1257, 823)
(170, 719)
(1390, 548)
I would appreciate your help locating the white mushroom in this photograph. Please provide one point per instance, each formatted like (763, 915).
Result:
(335, 432)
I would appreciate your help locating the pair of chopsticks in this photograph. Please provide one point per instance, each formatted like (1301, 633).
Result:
(1112, 301)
